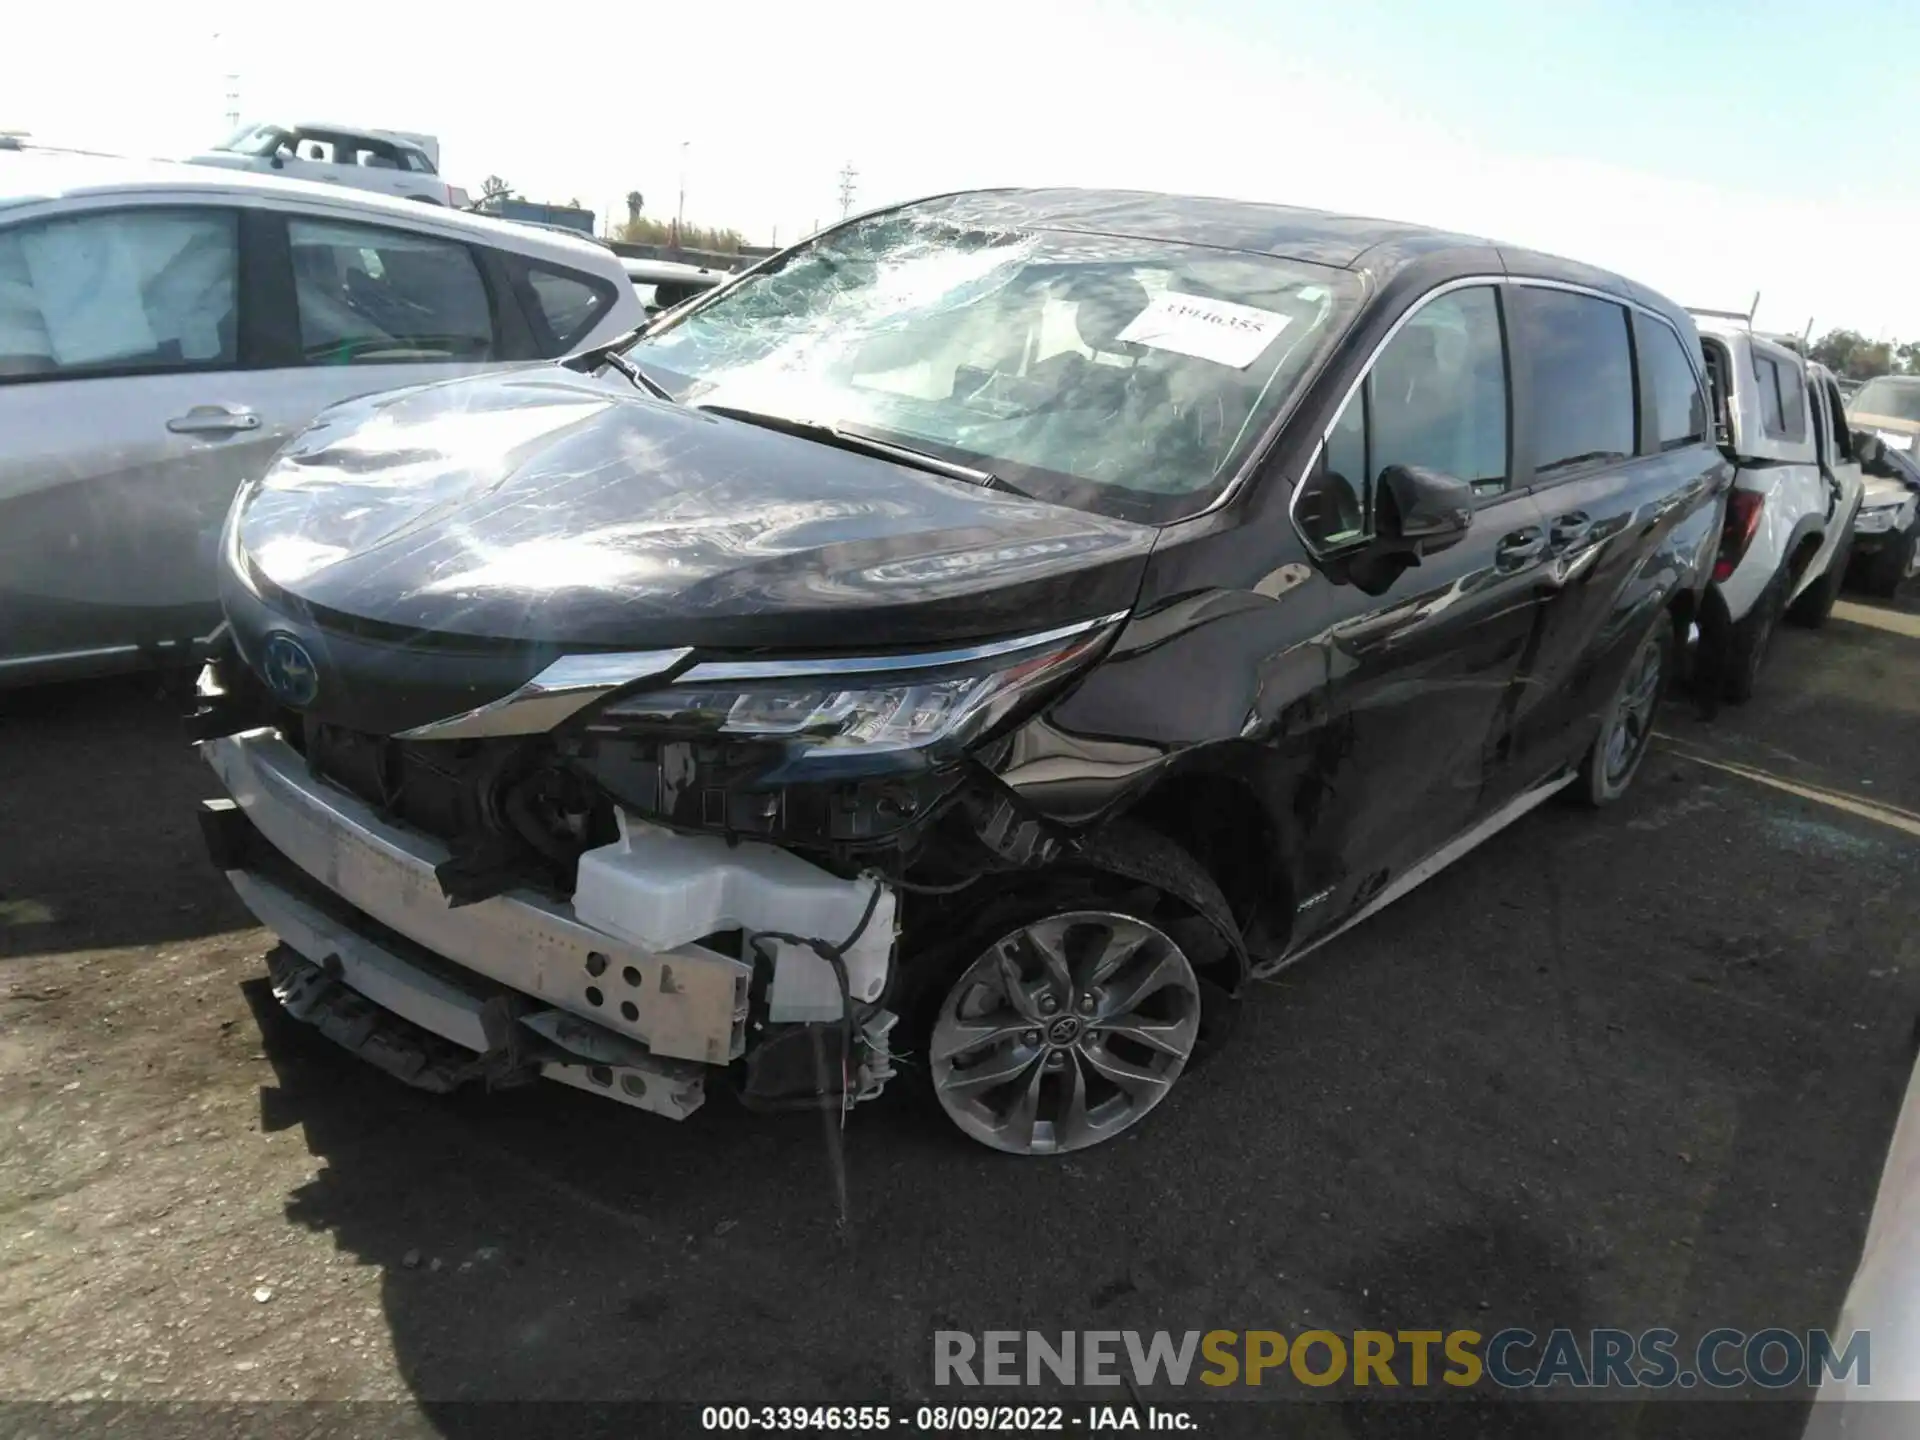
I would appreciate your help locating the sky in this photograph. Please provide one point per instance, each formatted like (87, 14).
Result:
(1706, 148)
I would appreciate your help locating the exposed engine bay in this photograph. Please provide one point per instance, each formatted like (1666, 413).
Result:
(667, 898)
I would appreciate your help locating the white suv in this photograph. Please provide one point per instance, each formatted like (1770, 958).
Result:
(1790, 515)
(165, 328)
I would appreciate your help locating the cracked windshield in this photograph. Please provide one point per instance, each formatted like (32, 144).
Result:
(1076, 717)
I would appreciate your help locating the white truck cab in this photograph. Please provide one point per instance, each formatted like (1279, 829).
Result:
(391, 162)
(1796, 491)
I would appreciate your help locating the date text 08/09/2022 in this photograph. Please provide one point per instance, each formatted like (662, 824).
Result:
(944, 1419)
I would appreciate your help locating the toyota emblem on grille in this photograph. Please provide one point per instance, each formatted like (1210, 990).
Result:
(289, 670)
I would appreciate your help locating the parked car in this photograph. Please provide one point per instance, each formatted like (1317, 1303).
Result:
(1888, 406)
(1886, 533)
(663, 284)
(1789, 523)
(992, 629)
(163, 330)
(391, 162)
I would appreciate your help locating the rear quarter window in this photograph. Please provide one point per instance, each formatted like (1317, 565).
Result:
(563, 306)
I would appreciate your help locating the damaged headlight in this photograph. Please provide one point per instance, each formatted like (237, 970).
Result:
(821, 708)
(1876, 520)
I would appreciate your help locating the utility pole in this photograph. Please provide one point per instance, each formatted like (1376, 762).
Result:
(848, 176)
(233, 89)
(680, 215)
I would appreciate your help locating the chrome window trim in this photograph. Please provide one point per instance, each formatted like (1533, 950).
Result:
(725, 670)
(1447, 287)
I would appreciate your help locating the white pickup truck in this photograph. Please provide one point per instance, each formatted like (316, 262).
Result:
(392, 162)
(1790, 516)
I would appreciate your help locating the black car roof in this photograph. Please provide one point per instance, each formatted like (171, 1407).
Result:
(1352, 242)
(1280, 230)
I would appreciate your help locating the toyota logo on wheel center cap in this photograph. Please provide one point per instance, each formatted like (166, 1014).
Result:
(1063, 1031)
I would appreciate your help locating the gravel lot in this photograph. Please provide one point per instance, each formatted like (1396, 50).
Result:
(1627, 1070)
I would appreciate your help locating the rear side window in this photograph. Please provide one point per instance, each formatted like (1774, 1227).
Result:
(1679, 405)
(1842, 435)
(119, 291)
(1580, 365)
(1793, 400)
(567, 305)
(368, 295)
(1783, 397)
(1766, 380)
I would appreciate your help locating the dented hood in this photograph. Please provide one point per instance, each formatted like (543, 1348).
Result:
(545, 507)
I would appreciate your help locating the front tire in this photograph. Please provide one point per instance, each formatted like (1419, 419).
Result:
(1626, 727)
(1061, 1014)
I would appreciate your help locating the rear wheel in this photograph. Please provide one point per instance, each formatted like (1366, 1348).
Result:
(1747, 643)
(1883, 573)
(1816, 601)
(1626, 729)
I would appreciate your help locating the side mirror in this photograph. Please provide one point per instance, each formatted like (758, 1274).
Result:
(1869, 450)
(1419, 512)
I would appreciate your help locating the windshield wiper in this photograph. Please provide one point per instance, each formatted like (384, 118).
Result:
(867, 445)
(610, 354)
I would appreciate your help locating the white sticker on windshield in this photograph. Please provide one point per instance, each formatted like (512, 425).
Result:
(1207, 329)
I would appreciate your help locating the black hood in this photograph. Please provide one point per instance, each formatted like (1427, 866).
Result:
(542, 508)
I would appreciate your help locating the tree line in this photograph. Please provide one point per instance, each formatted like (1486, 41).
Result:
(639, 229)
(1850, 354)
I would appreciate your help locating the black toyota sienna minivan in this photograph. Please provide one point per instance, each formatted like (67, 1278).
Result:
(980, 637)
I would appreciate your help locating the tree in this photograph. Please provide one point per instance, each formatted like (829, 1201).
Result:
(635, 200)
(494, 188)
(1836, 349)
(1851, 354)
(1908, 358)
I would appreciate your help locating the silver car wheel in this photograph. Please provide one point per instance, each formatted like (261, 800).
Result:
(1065, 1033)
(1634, 715)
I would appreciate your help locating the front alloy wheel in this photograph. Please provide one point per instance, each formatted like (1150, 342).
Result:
(1065, 1032)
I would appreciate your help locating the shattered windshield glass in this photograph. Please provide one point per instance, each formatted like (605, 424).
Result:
(1122, 375)
(255, 140)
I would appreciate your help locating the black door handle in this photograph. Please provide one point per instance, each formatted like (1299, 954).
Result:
(1570, 529)
(1520, 547)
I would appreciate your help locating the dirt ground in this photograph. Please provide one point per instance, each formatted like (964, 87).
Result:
(1627, 1070)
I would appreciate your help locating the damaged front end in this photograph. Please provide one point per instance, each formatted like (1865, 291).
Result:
(634, 873)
